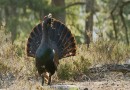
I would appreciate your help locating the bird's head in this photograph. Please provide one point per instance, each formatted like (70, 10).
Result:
(47, 21)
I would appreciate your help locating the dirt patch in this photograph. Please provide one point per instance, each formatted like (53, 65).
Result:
(110, 81)
(91, 85)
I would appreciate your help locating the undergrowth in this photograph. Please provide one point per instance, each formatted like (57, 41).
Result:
(13, 57)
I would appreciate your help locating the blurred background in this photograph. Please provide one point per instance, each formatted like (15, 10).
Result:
(101, 29)
(88, 20)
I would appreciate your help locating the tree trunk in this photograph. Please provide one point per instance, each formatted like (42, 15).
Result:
(61, 14)
(123, 20)
(89, 21)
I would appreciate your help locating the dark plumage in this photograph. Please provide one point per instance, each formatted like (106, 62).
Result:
(48, 42)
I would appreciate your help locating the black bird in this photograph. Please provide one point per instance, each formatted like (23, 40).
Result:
(49, 42)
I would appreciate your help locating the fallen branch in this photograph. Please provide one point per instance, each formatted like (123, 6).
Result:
(112, 68)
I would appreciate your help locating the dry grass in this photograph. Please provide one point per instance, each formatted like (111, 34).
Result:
(16, 69)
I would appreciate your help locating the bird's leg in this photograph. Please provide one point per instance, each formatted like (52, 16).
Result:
(46, 76)
(42, 80)
(49, 81)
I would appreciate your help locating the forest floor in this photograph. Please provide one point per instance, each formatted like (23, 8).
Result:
(18, 72)
(110, 81)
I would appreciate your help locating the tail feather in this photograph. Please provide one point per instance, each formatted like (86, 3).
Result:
(65, 41)
(69, 41)
(30, 44)
(51, 33)
(69, 48)
(62, 36)
(70, 52)
(61, 39)
(60, 31)
(34, 40)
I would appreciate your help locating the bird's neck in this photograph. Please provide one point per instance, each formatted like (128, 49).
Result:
(45, 37)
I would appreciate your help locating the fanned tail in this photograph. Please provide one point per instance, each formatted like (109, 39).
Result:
(60, 39)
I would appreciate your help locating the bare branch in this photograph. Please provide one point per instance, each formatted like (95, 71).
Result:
(74, 4)
(60, 8)
(112, 68)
